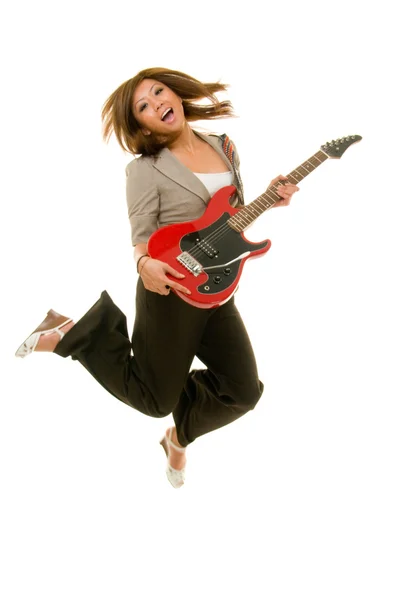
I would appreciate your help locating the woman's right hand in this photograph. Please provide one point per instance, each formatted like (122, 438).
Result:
(154, 276)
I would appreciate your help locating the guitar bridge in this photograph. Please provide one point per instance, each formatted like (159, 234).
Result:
(190, 263)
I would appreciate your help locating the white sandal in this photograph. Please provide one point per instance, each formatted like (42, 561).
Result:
(51, 324)
(176, 477)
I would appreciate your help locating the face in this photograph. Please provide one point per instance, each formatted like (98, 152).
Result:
(157, 109)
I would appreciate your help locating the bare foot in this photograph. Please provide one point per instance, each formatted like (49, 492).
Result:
(176, 459)
(48, 341)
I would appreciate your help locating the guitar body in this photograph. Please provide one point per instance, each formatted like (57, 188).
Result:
(208, 251)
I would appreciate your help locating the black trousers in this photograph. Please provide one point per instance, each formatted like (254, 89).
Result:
(152, 373)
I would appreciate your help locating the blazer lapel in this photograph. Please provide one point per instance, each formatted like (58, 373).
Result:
(216, 144)
(171, 167)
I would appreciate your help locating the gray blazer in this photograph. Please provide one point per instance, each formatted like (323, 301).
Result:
(160, 191)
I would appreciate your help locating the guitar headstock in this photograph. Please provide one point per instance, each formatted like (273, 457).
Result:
(336, 148)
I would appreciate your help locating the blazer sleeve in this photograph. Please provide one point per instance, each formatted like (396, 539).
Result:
(142, 199)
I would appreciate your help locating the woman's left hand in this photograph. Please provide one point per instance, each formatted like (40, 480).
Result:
(285, 191)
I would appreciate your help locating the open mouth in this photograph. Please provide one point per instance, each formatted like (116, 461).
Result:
(168, 116)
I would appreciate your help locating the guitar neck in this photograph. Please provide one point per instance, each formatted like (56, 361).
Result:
(249, 213)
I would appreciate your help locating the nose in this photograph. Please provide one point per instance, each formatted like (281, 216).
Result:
(157, 104)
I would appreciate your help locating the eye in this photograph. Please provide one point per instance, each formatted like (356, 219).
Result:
(142, 107)
(159, 90)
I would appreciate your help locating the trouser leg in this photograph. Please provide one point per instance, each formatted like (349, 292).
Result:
(165, 338)
(229, 387)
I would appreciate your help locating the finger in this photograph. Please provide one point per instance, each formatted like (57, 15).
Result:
(283, 202)
(283, 194)
(179, 288)
(286, 191)
(285, 198)
(289, 187)
(278, 179)
(163, 291)
(174, 272)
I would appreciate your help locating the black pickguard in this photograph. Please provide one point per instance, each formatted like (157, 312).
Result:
(215, 247)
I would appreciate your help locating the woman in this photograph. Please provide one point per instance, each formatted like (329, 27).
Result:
(172, 180)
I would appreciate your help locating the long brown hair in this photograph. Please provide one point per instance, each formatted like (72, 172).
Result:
(117, 111)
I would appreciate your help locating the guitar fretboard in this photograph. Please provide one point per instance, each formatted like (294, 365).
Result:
(249, 213)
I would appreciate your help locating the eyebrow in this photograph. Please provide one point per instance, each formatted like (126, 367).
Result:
(149, 92)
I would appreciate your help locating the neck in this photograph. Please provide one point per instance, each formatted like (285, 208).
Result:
(186, 141)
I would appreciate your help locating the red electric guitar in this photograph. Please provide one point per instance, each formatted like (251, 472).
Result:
(211, 251)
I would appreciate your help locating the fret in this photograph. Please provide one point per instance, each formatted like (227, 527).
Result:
(262, 202)
(272, 196)
(253, 208)
(241, 220)
(266, 203)
(247, 218)
(303, 171)
(292, 176)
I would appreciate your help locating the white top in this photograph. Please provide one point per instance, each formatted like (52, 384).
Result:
(215, 181)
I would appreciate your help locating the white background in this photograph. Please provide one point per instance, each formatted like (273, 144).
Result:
(299, 498)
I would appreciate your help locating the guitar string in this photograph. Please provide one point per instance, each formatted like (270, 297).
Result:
(196, 251)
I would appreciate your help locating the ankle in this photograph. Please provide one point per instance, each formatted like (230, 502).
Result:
(48, 342)
(64, 330)
(174, 438)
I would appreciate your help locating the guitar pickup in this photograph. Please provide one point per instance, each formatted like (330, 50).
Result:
(190, 263)
(207, 248)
